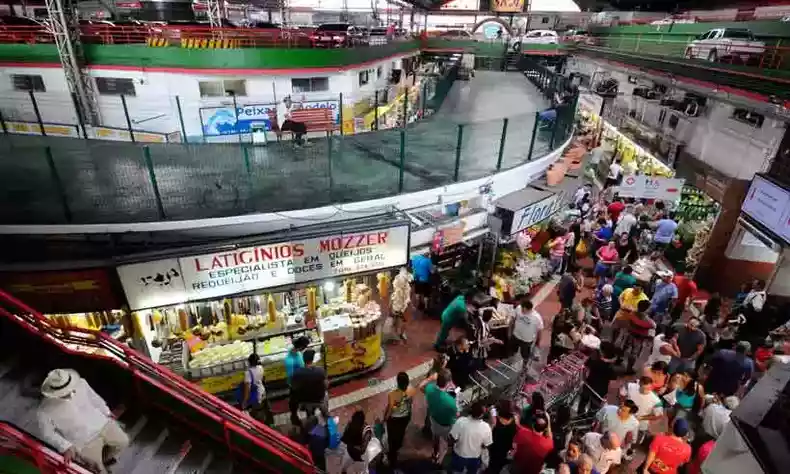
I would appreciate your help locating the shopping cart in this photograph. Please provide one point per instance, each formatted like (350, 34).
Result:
(499, 379)
(559, 383)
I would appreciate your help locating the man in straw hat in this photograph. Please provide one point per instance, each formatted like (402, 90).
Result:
(77, 422)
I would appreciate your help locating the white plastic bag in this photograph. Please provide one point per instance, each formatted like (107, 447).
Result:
(374, 449)
(388, 325)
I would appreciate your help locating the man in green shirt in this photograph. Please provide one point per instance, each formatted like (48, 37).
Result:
(452, 315)
(442, 409)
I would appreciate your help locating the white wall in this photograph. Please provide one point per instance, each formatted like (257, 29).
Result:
(153, 107)
(732, 147)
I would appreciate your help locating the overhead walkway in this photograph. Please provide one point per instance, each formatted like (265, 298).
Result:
(59, 180)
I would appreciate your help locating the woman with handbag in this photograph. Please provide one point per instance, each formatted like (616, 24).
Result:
(252, 397)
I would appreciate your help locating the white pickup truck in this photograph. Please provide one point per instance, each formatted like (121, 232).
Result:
(725, 44)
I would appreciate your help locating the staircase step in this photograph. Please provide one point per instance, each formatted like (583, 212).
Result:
(7, 364)
(165, 459)
(222, 464)
(197, 460)
(142, 446)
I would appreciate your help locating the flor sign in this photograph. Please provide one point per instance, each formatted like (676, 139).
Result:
(649, 187)
(197, 277)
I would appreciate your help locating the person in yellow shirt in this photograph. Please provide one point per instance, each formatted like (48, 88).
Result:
(629, 300)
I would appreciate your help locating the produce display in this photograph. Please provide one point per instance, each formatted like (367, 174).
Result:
(695, 205)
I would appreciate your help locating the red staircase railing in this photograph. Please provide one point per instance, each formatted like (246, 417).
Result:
(19, 444)
(233, 421)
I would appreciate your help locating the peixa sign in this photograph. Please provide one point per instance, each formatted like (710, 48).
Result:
(198, 277)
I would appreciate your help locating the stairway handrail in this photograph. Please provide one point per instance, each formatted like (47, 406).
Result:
(175, 385)
(29, 446)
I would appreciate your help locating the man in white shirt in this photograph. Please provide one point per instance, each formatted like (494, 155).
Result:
(615, 173)
(470, 435)
(716, 415)
(626, 222)
(77, 422)
(619, 420)
(647, 402)
(527, 326)
(604, 449)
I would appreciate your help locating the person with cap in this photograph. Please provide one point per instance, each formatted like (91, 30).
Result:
(729, 370)
(664, 296)
(77, 422)
(691, 343)
(716, 415)
(604, 449)
(668, 451)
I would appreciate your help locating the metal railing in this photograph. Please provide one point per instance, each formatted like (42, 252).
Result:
(64, 180)
(712, 53)
(233, 423)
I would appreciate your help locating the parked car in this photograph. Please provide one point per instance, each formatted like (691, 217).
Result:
(535, 37)
(725, 43)
(577, 36)
(337, 35)
(670, 20)
(378, 35)
(456, 35)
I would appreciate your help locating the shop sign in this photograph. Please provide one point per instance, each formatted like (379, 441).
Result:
(536, 212)
(52, 130)
(507, 6)
(769, 205)
(174, 281)
(460, 5)
(649, 187)
(121, 135)
(223, 121)
(68, 291)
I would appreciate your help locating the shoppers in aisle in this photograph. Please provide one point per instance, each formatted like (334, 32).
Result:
(623, 280)
(470, 436)
(309, 385)
(461, 363)
(626, 248)
(253, 392)
(607, 258)
(620, 420)
(571, 239)
(648, 403)
(615, 209)
(533, 443)
(615, 174)
(601, 237)
(399, 303)
(637, 335)
(665, 347)
(442, 409)
(556, 247)
(604, 304)
(665, 231)
(455, 314)
(658, 371)
(294, 360)
(440, 364)
(716, 415)
(668, 451)
(664, 297)
(503, 433)
(729, 370)
(77, 422)
(356, 437)
(688, 397)
(562, 335)
(536, 407)
(626, 221)
(568, 286)
(600, 372)
(687, 290)
(604, 449)
(527, 326)
(483, 340)
(691, 342)
(756, 327)
(422, 267)
(397, 416)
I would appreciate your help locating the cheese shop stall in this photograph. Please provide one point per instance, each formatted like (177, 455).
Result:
(203, 315)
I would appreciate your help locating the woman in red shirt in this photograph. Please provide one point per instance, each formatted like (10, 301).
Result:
(607, 256)
(668, 451)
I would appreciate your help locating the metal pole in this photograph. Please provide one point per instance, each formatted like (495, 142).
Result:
(38, 113)
(502, 144)
(246, 151)
(236, 115)
(534, 134)
(329, 158)
(128, 120)
(2, 123)
(402, 159)
(80, 118)
(375, 110)
(554, 130)
(181, 120)
(405, 105)
(152, 175)
(341, 113)
(424, 97)
(458, 151)
(57, 183)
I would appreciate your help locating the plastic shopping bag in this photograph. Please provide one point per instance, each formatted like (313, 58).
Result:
(374, 449)
(387, 328)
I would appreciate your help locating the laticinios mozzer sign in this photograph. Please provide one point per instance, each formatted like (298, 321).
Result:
(178, 280)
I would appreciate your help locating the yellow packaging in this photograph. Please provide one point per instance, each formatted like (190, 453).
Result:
(272, 309)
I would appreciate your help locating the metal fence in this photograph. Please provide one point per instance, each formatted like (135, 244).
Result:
(51, 180)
